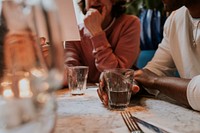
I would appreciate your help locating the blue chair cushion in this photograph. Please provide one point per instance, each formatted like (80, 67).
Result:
(144, 57)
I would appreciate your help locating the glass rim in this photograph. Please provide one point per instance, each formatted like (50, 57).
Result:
(75, 67)
(119, 70)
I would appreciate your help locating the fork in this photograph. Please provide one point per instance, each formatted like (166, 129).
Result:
(131, 123)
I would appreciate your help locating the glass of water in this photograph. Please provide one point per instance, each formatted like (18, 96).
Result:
(119, 83)
(77, 79)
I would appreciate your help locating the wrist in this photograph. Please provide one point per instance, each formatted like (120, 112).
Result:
(96, 32)
(154, 82)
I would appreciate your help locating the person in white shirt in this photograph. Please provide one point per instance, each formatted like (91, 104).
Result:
(178, 51)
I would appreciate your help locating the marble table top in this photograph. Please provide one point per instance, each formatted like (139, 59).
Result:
(86, 114)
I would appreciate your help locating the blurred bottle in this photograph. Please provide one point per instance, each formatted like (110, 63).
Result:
(27, 82)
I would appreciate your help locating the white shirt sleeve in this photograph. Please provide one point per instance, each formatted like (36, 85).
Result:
(193, 93)
(162, 63)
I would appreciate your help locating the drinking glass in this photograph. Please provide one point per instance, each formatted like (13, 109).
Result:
(77, 79)
(27, 79)
(118, 83)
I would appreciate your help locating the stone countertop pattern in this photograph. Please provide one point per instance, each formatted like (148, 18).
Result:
(86, 114)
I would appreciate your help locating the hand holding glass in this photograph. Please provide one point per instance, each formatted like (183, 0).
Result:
(119, 83)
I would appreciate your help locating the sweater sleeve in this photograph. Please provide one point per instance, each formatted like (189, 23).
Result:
(193, 93)
(126, 51)
(72, 53)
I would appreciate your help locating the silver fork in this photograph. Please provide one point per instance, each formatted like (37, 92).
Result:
(131, 123)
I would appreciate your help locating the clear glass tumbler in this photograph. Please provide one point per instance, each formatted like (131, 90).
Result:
(118, 83)
(77, 79)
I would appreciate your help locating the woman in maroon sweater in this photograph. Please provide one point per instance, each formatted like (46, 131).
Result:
(109, 38)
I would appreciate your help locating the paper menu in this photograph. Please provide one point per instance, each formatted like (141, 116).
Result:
(69, 26)
(67, 21)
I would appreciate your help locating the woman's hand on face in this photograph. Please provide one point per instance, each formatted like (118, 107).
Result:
(93, 20)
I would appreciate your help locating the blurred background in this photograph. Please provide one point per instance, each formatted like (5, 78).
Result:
(152, 18)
